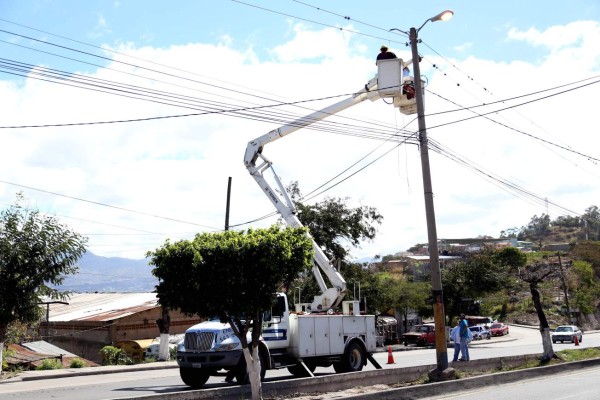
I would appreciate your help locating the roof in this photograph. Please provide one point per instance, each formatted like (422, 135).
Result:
(44, 347)
(23, 356)
(101, 306)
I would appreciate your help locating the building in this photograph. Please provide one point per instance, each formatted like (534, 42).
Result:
(90, 321)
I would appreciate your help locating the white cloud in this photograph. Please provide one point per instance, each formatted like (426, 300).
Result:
(178, 168)
(578, 34)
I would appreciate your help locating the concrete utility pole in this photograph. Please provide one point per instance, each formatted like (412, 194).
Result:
(434, 260)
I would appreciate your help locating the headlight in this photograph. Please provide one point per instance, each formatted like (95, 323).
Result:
(227, 346)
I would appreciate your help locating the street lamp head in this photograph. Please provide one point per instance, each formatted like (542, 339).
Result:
(443, 16)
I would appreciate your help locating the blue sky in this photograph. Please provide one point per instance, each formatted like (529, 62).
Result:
(245, 52)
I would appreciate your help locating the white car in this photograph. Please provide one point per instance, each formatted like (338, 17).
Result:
(480, 332)
(567, 333)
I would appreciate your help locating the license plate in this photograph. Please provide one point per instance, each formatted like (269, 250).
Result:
(196, 365)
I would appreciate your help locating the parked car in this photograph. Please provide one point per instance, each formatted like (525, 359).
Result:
(498, 329)
(480, 332)
(421, 335)
(567, 333)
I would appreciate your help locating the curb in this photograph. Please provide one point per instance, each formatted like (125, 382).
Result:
(69, 372)
(441, 388)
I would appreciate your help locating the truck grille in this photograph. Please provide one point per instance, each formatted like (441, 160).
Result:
(199, 341)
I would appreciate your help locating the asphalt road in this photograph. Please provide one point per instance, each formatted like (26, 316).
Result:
(156, 381)
(580, 385)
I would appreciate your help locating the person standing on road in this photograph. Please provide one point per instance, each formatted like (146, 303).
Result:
(455, 335)
(464, 338)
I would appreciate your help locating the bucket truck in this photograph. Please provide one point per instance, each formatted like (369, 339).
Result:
(314, 334)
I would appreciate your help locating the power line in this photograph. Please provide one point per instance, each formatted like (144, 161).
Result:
(107, 205)
(313, 22)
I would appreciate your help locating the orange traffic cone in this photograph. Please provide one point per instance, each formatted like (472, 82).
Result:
(576, 340)
(390, 356)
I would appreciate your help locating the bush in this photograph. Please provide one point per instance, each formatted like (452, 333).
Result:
(77, 363)
(114, 356)
(50, 363)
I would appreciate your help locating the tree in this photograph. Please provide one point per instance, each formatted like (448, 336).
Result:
(537, 228)
(413, 296)
(509, 233)
(567, 221)
(164, 323)
(472, 278)
(584, 287)
(534, 274)
(233, 275)
(591, 218)
(35, 250)
(331, 223)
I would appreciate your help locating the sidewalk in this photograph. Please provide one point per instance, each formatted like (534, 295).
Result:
(67, 372)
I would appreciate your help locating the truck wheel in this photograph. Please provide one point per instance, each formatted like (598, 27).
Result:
(298, 370)
(353, 359)
(241, 373)
(194, 377)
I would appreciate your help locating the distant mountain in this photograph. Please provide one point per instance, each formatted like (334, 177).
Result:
(110, 274)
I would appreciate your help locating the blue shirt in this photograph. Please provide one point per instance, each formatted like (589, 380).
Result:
(463, 325)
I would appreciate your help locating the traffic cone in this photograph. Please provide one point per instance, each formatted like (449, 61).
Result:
(390, 356)
(576, 340)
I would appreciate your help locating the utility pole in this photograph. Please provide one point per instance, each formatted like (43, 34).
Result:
(227, 205)
(439, 317)
(47, 303)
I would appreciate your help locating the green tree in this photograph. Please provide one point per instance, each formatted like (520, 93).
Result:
(332, 223)
(537, 228)
(591, 219)
(510, 233)
(337, 228)
(584, 287)
(567, 221)
(233, 275)
(471, 279)
(35, 251)
(588, 251)
(413, 296)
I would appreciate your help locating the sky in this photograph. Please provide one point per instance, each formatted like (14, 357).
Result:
(126, 119)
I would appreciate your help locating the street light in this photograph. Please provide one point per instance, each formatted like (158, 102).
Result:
(434, 260)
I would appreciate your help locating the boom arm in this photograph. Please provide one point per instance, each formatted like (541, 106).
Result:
(329, 297)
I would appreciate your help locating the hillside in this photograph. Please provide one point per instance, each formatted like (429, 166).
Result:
(110, 274)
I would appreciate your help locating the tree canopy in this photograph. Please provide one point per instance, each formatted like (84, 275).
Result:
(477, 275)
(233, 275)
(332, 223)
(35, 250)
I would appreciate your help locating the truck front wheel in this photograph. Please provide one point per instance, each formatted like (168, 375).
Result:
(194, 377)
(353, 359)
(241, 372)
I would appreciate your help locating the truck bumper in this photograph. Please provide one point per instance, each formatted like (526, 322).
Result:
(221, 359)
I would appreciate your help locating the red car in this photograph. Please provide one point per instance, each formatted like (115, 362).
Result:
(499, 329)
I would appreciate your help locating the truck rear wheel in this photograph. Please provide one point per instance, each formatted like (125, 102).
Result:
(353, 359)
(194, 377)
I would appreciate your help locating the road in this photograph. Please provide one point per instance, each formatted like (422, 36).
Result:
(130, 384)
(581, 385)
